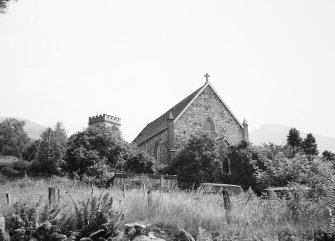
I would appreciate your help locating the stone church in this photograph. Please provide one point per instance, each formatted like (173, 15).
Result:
(202, 111)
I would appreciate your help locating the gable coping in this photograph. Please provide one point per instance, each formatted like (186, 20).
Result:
(197, 95)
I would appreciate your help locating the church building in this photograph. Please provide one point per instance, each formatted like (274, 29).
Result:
(202, 111)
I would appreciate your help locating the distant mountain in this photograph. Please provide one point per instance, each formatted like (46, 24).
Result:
(277, 134)
(33, 129)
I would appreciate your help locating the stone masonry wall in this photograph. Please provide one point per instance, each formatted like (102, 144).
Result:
(193, 120)
(150, 146)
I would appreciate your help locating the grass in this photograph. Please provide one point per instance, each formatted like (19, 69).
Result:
(251, 216)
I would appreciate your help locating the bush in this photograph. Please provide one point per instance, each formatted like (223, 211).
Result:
(13, 138)
(51, 152)
(13, 167)
(244, 164)
(33, 220)
(198, 161)
(99, 151)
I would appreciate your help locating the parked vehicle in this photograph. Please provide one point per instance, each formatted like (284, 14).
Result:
(284, 192)
(217, 188)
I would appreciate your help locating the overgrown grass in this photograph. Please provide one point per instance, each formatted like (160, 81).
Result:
(251, 216)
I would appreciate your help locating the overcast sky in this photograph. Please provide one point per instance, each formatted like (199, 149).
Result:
(66, 60)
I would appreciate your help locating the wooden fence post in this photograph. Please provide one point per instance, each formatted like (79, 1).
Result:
(7, 198)
(161, 182)
(59, 196)
(2, 224)
(52, 197)
(149, 199)
(227, 204)
(124, 191)
(144, 190)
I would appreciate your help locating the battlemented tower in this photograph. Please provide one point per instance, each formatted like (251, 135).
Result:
(104, 119)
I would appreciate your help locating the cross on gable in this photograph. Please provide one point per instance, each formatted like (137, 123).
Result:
(207, 76)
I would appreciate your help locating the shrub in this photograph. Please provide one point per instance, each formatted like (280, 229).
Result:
(244, 164)
(198, 161)
(99, 151)
(26, 220)
(13, 138)
(51, 152)
(14, 168)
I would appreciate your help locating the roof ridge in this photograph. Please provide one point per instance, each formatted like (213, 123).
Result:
(159, 124)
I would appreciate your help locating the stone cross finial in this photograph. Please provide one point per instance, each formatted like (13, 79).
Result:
(207, 76)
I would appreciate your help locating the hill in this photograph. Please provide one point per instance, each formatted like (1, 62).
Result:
(277, 134)
(33, 129)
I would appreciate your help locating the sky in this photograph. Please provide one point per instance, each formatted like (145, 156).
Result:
(66, 60)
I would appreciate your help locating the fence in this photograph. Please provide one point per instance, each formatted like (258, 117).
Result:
(165, 181)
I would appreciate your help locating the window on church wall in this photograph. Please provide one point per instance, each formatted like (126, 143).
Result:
(209, 126)
(225, 160)
(226, 167)
(158, 152)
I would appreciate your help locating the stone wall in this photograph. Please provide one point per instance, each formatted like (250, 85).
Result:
(150, 146)
(193, 120)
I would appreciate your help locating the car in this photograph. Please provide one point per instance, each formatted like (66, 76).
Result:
(217, 188)
(284, 192)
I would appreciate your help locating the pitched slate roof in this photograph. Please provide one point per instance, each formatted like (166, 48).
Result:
(177, 111)
(160, 123)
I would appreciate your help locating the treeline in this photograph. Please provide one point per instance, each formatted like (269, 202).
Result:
(206, 158)
(93, 154)
(96, 153)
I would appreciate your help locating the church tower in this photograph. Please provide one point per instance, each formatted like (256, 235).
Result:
(106, 120)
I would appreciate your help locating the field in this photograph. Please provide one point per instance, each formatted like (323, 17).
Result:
(251, 217)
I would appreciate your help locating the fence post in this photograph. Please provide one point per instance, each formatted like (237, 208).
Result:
(227, 204)
(161, 182)
(149, 199)
(59, 197)
(124, 191)
(52, 197)
(7, 198)
(144, 190)
(2, 224)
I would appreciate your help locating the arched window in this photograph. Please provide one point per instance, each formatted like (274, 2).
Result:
(158, 152)
(224, 159)
(209, 125)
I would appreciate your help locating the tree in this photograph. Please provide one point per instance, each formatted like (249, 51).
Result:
(309, 145)
(51, 152)
(280, 170)
(244, 165)
(13, 138)
(293, 138)
(29, 153)
(328, 155)
(99, 150)
(138, 162)
(4, 5)
(198, 161)
(93, 145)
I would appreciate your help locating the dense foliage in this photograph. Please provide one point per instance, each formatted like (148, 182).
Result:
(100, 151)
(205, 157)
(309, 145)
(4, 5)
(328, 155)
(293, 138)
(244, 164)
(51, 152)
(93, 155)
(198, 161)
(13, 138)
